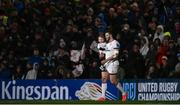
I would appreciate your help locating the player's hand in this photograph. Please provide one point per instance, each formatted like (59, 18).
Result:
(101, 55)
(103, 62)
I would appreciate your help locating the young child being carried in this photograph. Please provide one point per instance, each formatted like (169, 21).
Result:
(102, 48)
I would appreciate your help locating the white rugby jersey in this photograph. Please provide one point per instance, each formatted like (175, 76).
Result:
(111, 47)
(101, 45)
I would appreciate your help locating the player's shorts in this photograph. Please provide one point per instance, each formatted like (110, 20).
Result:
(112, 67)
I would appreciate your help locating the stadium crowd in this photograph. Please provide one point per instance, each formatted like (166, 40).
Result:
(57, 39)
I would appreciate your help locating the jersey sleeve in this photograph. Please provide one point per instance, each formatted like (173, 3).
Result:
(98, 47)
(116, 45)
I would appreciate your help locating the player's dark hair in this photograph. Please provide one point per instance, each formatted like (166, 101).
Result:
(102, 36)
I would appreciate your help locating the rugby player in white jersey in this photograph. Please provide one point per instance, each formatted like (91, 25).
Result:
(111, 64)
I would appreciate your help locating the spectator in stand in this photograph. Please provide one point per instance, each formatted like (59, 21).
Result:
(159, 33)
(135, 64)
(36, 58)
(152, 72)
(18, 73)
(94, 71)
(152, 28)
(43, 71)
(157, 42)
(62, 73)
(61, 54)
(144, 45)
(151, 55)
(177, 45)
(5, 72)
(171, 55)
(162, 51)
(126, 37)
(164, 69)
(176, 73)
(32, 74)
(100, 23)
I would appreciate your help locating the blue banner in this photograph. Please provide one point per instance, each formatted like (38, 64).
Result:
(153, 90)
(55, 90)
(142, 90)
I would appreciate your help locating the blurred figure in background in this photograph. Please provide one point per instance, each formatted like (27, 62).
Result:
(176, 73)
(164, 69)
(135, 67)
(159, 33)
(18, 73)
(32, 74)
(36, 58)
(5, 72)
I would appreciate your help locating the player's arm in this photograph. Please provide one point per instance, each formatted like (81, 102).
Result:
(101, 56)
(113, 57)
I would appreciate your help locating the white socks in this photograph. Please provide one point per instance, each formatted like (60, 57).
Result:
(104, 87)
(120, 88)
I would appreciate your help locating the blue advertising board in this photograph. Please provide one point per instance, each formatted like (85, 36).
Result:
(55, 90)
(142, 90)
(153, 90)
